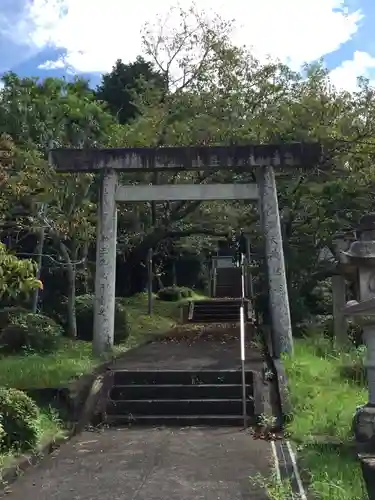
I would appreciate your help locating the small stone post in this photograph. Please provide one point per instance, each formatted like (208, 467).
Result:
(278, 290)
(150, 280)
(340, 325)
(341, 243)
(105, 279)
(362, 254)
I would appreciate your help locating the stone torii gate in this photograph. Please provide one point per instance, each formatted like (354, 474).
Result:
(261, 159)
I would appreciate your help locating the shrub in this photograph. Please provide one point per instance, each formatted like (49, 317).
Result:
(20, 417)
(186, 293)
(352, 366)
(28, 331)
(355, 333)
(174, 293)
(85, 319)
(8, 313)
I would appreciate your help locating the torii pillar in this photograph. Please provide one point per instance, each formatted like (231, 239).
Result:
(277, 284)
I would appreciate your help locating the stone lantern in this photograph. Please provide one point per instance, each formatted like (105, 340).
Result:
(342, 242)
(361, 254)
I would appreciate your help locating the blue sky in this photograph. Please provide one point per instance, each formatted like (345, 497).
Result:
(85, 37)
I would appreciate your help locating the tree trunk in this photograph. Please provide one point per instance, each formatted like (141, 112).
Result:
(174, 274)
(86, 271)
(71, 302)
(39, 253)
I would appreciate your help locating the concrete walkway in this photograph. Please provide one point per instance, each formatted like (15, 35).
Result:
(203, 352)
(150, 464)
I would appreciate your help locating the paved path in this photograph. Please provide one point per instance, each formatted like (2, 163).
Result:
(200, 353)
(150, 464)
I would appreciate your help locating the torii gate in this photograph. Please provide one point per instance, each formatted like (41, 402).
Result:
(262, 159)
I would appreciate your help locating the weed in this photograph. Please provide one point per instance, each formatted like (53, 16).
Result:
(324, 398)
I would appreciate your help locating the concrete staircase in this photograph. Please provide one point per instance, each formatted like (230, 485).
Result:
(207, 392)
(215, 311)
(228, 282)
(184, 398)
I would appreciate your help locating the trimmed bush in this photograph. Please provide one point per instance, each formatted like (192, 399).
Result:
(174, 293)
(85, 319)
(20, 417)
(8, 313)
(186, 293)
(28, 331)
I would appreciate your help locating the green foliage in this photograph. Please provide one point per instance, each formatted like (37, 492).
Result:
(17, 276)
(51, 109)
(224, 96)
(322, 326)
(19, 420)
(174, 293)
(119, 87)
(186, 293)
(62, 114)
(85, 319)
(8, 313)
(353, 366)
(325, 388)
(25, 331)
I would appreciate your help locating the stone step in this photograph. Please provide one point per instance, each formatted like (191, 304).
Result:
(181, 377)
(176, 391)
(179, 420)
(181, 407)
(223, 311)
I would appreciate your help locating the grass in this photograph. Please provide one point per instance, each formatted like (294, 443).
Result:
(325, 387)
(50, 428)
(74, 358)
(71, 360)
(323, 400)
(163, 318)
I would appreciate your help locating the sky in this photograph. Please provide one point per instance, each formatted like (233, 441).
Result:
(85, 37)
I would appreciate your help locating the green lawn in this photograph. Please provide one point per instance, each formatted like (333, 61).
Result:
(54, 370)
(74, 358)
(325, 389)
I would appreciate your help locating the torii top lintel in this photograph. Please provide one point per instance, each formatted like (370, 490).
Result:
(298, 155)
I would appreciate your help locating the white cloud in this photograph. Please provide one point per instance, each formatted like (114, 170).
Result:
(60, 63)
(345, 75)
(96, 33)
(35, 23)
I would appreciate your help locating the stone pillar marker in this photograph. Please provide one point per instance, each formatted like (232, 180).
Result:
(340, 325)
(362, 254)
(105, 279)
(278, 290)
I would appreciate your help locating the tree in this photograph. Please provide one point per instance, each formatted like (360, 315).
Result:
(225, 96)
(214, 92)
(120, 87)
(207, 92)
(53, 112)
